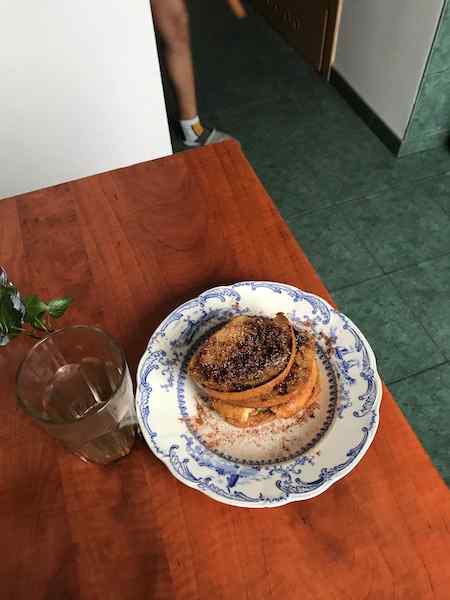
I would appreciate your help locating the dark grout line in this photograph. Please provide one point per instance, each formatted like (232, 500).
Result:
(350, 285)
(439, 72)
(257, 102)
(372, 195)
(441, 364)
(406, 300)
(381, 275)
(384, 272)
(416, 264)
(298, 215)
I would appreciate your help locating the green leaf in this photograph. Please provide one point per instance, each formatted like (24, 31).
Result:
(58, 306)
(10, 316)
(34, 309)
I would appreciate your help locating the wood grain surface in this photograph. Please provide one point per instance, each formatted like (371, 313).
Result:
(129, 246)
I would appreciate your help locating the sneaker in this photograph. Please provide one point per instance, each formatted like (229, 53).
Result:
(209, 136)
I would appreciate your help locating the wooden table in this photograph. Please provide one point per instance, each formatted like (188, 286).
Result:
(129, 246)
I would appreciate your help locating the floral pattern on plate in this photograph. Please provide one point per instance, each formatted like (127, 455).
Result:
(276, 463)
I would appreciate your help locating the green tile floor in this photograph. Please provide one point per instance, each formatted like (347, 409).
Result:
(376, 228)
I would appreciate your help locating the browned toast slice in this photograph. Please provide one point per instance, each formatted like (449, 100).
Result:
(247, 353)
(294, 394)
(244, 417)
(301, 398)
(239, 416)
(299, 376)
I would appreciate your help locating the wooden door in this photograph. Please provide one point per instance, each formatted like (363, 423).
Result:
(310, 26)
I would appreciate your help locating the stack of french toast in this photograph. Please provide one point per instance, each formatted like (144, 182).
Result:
(255, 369)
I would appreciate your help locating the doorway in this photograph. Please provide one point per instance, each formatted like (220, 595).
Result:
(309, 26)
(247, 72)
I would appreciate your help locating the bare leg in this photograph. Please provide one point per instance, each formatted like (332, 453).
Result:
(172, 22)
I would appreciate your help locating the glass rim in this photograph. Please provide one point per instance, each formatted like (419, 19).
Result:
(113, 342)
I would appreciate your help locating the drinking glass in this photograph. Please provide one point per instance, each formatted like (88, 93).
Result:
(75, 383)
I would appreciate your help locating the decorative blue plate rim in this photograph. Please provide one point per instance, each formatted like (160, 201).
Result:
(265, 485)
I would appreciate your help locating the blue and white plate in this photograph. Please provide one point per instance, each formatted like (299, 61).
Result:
(279, 462)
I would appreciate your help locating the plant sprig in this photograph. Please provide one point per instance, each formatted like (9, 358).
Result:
(29, 315)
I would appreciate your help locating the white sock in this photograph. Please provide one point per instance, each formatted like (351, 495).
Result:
(192, 129)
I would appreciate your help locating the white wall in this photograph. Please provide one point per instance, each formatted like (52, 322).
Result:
(80, 90)
(382, 50)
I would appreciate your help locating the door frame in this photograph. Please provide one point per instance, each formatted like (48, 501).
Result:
(331, 36)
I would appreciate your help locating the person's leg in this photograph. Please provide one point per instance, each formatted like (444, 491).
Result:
(172, 22)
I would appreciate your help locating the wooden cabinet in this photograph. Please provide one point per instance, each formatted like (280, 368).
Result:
(310, 26)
